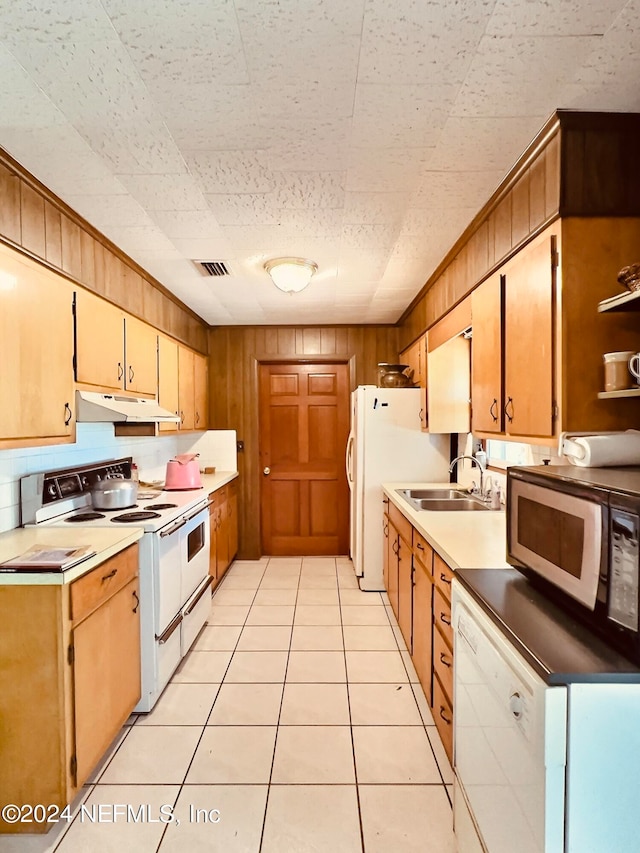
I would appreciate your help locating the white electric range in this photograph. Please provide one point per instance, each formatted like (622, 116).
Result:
(173, 556)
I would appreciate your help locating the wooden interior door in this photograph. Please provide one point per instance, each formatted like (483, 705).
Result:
(304, 424)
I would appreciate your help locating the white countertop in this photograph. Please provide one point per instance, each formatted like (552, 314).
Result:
(106, 541)
(464, 540)
(211, 482)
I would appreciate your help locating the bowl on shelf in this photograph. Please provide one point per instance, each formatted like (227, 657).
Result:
(393, 376)
(629, 277)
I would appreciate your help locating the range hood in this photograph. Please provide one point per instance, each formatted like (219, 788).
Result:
(92, 407)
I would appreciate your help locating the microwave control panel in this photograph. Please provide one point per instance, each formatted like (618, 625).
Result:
(624, 569)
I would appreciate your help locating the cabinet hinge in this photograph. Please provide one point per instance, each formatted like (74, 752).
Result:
(71, 654)
(555, 411)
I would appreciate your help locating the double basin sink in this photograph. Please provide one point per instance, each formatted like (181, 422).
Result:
(442, 499)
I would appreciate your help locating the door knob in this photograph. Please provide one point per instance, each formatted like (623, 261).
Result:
(266, 471)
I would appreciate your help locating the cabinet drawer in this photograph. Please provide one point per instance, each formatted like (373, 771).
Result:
(422, 550)
(442, 575)
(220, 495)
(443, 717)
(232, 488)
(442, 616)
(401, 524)
(443, 664)
(94, 588)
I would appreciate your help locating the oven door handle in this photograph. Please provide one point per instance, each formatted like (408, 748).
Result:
(169, 530)
(171, 627)
(200, 594)
(197, 511)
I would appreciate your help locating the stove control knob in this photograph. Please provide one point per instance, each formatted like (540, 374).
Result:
(51, 490)
(516, 705)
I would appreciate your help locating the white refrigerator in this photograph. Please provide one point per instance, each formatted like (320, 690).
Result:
(385, 444)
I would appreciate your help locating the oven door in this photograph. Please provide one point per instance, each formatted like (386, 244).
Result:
(194, 538)
(557, 535)
(166, 574)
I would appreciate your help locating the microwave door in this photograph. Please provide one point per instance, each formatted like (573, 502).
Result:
(559, 537)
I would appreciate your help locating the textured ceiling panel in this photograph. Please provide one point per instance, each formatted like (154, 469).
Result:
(364, 135)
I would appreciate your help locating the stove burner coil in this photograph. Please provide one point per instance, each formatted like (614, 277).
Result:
(162, 506)
(132, 517)
(85, 516)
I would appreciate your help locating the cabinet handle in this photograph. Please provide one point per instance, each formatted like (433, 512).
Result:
(135, 595)
(443, 659)
(444, 578)
(506, 406)
(130, 373)
(444, 619)
(67, 414)
(197, 418)
(420, 546)
(395, 548)
(493, 414)
(111, 574)
(120, 371)
(181, 416)
(444, 716)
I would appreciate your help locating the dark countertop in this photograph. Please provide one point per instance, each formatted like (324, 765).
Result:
(559, 648)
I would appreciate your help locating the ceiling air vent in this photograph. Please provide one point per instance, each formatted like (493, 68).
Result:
(215, 268)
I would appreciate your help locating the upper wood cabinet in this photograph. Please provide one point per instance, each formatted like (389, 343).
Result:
(487, 375)
(201, 391)
(114, 351)
(416, 357)
(168, 379)
(36, 352)
(529, 364)
(186, 388)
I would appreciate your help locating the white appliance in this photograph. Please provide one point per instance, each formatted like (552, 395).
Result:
(539, 768)
(385, 444)
(173, 557)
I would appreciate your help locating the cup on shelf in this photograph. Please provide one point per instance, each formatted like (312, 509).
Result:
(634, 366)
(617, 368)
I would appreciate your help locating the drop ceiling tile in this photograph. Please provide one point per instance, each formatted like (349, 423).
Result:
(24, 104)
(301, 99)
(569, 17)
(122, 210)
(422, 246)
(413, 42)
(483, 144)
(361, 265)
(313, 189)
(514, 76)
(312, 221)
(243, 208)
(231, 171)
(375, 208)
(456, 188)
(393, 115)
(42, 21)
(165, 192)
(204, 248)
(422, 222)
(386, 169)
(146, 241)
(361, 236)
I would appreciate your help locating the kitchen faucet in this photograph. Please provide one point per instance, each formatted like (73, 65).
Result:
(478, 463)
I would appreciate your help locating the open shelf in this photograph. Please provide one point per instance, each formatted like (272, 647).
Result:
(627, 392)
(627, 301)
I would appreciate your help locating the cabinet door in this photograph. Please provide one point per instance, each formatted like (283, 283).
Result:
(186, 387)
(232, 520)
(168, 379)
(392, 587)
(422, 625)
(106, 675)
(36, 350)
(213, 537)
(529, 294)
(486, 356)
(385, 545)
(405, 589)
(141, 348)
(201, 391)
(449, 377)
(222, 548)
(99, 342)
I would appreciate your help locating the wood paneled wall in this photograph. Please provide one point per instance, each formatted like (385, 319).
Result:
(35, 220)
(236, 351)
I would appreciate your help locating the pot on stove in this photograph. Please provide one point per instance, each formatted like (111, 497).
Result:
(183, 473)
(114, 493)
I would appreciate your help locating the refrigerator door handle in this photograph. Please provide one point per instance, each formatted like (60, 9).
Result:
(349, 457)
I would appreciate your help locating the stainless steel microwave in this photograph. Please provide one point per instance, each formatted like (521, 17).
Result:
(574, 532)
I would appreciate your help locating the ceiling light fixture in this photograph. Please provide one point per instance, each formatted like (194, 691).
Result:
(291, 274)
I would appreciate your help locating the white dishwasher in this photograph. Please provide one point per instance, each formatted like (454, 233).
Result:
(510, 740)
(543, 765)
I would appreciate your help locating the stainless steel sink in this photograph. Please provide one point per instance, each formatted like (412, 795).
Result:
(433, 494)
(443, 500)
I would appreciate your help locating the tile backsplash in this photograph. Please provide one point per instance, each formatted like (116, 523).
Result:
(95, 443)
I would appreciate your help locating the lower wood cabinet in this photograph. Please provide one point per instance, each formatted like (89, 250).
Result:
(69, 678)
(418, 583)
(223, 519)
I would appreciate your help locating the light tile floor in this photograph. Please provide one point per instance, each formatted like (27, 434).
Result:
(296, 723)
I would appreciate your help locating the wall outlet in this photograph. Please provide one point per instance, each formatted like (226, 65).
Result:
(240, 446)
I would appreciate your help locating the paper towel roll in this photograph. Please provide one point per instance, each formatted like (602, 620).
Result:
(602, 451)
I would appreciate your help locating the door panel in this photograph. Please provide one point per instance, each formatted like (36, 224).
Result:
(304, 423)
